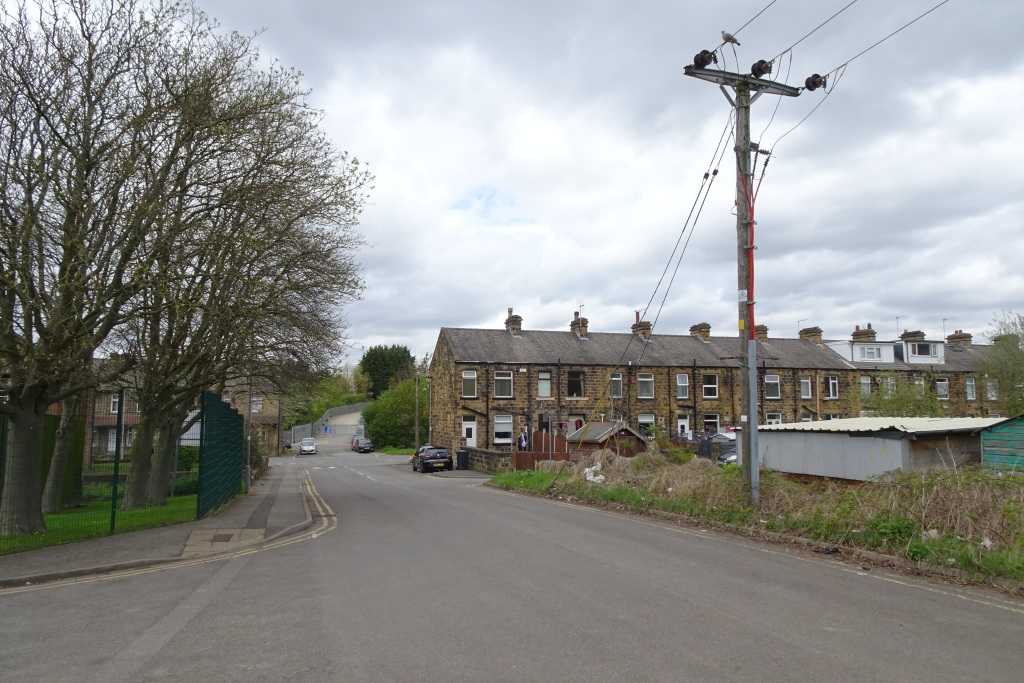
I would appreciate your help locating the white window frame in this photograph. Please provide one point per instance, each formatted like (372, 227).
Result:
(644, 420)
(889, 383)
(865, 385)
(115, 400)
(992, 389)
(544, 384)
(504, 421)
(917, 347)
(870, 352)
(831, 387)
(712, 418)
(919, 385)
(468, 376)
(615, 385)
(256, 404)
(806, 387)
(773, 418)
(970, 390)
(709, 390)
(502, 384)
(682, 386)
(645, 385)
(942, 388)
(772, 381)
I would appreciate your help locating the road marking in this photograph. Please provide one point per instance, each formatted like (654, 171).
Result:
(328, 522)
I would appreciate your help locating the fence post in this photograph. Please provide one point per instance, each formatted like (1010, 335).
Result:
(117, 458)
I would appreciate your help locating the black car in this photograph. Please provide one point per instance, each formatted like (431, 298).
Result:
(432, 458)
(362, 445)
(728, 457)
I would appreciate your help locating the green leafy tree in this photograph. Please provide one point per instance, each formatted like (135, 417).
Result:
(1004, 361)
(898, 395)
(386, 366)
(390, 419)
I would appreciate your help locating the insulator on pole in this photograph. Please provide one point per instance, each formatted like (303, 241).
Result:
(760, 68)
(704, 59)
(815, 81)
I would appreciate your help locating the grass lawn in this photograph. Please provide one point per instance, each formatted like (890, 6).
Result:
(93, 520)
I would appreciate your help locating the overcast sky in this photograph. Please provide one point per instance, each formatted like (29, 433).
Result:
(543, 154)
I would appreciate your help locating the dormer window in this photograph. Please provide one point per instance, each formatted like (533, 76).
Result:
(924, 349)
(870, 352)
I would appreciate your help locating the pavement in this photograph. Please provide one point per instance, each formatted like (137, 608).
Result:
(277, 506)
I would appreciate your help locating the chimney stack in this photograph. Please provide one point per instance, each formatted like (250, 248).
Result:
(761, 332)
(514, 324)
(579, 325)
(642, 327)
(960, 338)
(811, 334)
(702, 331)
(865, 335)
(913, 335)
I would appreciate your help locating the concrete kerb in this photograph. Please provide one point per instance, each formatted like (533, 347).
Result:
(48, 577)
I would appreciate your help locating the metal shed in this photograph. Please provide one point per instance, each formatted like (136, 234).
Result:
(1002, 444)
(865, 447)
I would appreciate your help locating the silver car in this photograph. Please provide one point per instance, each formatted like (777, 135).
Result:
(307, 446)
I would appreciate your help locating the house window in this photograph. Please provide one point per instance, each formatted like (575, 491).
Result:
(919, 386)
(615, 385)
(773, 418)
(469, 383)
(831, 387)
(710, 424)
(889, 383)
(256, 404)
(115, 404)
(682, 386)
(923, 349)
(971, 393)
(576, 384)
(942, 388)
(772, 389)
(805, 386)
(870, 352)
(544, 384)
(992, 389)
(502, 384)
(645, 385)
(502, 429)
(833, 416)
(710, 386)
(865, 385)
(645, 421)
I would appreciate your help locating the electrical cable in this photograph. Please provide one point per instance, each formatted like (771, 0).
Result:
(814, 31)
(737, 31)
(889, 36)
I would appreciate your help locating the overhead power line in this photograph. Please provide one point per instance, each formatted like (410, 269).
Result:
(814, 31)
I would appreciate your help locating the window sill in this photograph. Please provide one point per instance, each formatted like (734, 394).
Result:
(575, 398)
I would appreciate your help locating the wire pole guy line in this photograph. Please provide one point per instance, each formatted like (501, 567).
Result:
(742, 86)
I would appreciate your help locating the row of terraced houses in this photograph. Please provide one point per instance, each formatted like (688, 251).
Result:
(490, 385)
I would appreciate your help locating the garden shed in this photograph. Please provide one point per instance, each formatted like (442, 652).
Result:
(616, 437)
(1002, 444)
(865, 447)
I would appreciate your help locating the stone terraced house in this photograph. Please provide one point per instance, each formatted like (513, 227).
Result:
(489, 385)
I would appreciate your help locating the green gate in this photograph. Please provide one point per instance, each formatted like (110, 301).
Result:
(221, 455)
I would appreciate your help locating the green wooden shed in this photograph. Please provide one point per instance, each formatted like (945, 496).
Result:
(1002, 444)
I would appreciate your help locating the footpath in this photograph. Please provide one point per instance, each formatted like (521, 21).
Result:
(275, 507)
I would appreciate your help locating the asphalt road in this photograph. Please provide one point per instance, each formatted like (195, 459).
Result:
(436, 578)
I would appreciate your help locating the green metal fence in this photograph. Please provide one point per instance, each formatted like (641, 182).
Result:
(107, 485)
(221, 454)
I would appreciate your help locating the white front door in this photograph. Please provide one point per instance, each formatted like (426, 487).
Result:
(683, 427)
(469, 430)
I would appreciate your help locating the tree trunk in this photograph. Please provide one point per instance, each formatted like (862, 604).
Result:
(59, 462)
(142, 463)
(21, 499)
(166, 444)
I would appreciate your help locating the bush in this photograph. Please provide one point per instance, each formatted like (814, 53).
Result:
(188, 458)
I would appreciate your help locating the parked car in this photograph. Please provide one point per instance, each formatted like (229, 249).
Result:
(307, 446)
(287, 444)
(354, 439)
(429, 458)
(728, 456)
(362, 445)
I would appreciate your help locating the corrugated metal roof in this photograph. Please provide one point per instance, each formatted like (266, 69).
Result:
(910, 425)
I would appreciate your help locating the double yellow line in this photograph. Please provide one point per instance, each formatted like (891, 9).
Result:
(328, 522)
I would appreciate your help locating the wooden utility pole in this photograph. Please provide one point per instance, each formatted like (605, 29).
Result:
(742, 85)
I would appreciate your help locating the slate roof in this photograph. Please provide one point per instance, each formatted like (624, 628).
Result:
(541, 347)
(598, 432)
